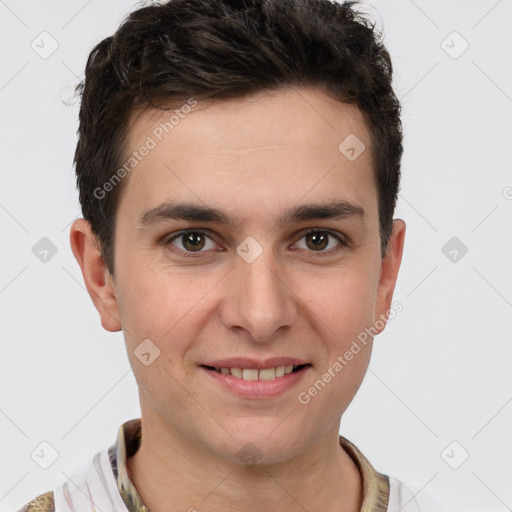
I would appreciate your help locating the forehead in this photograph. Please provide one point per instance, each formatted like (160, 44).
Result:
(260, 117)
(271, 146)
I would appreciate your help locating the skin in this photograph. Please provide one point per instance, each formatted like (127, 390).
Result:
(253, 158)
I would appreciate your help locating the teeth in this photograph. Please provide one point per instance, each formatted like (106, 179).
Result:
(236, 372)
(254, 374)
(249, 374)
(267, 374)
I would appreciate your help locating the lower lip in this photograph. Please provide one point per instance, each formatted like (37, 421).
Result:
(257, 388)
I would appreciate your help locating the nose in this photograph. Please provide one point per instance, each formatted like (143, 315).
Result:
(258, 299)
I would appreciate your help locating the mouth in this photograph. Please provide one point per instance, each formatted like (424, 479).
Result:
(254, 378)
(254, 374)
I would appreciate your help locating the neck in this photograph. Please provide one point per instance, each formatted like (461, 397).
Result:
(171, 475)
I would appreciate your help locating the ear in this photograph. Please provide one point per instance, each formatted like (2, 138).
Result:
(389, 271)
(97, 278)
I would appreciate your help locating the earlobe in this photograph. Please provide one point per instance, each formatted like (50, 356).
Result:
(98, 281)
(389, 270)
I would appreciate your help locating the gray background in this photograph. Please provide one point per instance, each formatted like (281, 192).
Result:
(441, 370)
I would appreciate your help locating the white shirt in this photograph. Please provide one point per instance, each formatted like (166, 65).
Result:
(104, 485)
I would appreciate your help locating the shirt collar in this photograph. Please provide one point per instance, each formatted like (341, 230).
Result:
(375, 485)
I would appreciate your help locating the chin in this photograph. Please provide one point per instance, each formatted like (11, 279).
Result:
(262, 447)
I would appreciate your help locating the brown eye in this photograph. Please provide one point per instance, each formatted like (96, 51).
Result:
(317, 240)
(321, 242)
(191, 242)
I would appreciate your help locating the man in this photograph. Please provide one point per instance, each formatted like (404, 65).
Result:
(238, 166)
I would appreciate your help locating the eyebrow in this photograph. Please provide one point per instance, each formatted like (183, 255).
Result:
(337, 210)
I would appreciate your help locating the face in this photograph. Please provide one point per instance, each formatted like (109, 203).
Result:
(245, 234)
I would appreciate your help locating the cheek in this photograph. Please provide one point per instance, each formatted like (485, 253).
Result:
(343, 301)
(342, 312)
(161, 305)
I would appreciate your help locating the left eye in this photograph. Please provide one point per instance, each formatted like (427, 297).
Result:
(318, 241)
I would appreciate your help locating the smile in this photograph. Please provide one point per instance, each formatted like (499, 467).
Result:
(252, 374)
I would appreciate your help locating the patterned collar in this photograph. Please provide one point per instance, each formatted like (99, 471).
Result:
(375, 485)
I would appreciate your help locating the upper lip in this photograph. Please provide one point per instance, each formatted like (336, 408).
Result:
(245, 362)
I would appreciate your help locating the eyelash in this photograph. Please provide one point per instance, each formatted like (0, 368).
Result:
(342, 243)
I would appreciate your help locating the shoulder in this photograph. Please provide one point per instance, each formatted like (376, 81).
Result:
(75, 494)
(42, 503)
(405, 498)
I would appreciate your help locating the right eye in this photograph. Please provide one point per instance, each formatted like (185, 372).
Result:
(191, 241)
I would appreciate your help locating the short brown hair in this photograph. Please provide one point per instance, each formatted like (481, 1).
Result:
(227, 49)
